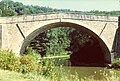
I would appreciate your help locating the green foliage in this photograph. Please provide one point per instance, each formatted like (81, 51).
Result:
(9, 61)
(18, 8)
(8, 12)
(53, 42)
(14, 64)
(25, 64)
(116, 62)
(113, 13)
(32, 52)
(10, 8)
(46, 66)
(6, 57)
(56, 75)
(58, 40)
(39, 43)
(28, 63)
(33, 69)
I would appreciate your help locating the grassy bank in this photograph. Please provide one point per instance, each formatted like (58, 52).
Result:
(6, 75)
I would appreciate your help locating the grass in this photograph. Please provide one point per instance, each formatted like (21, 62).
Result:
(6, 75)
(56, 75)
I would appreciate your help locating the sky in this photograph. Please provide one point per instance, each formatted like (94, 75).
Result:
(80, 5)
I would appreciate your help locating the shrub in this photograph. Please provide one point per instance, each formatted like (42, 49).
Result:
(14, 65)
(5, 58)
(32, 52)
(28, 63)
(116, 62)
(46, 67)
(25, 63)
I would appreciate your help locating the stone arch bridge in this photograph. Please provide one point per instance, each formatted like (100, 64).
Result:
(16, 32)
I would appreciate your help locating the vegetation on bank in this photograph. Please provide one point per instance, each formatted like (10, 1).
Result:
(6, 75)
(24, 64)
(30, 67)
(116, 63)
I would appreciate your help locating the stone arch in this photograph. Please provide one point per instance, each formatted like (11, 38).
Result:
(32, 35)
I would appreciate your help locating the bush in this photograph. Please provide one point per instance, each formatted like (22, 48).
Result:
(116, 62)
(25, 63)
(6, 57)
(46, 66)
(28, 63)
(32, 52)
(14, 65)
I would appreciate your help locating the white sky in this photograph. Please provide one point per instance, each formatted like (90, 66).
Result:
(81, 5)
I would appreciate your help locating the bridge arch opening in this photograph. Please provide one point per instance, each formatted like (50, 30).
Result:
(96, 55)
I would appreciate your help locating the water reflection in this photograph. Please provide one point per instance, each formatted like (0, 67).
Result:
(97, 73)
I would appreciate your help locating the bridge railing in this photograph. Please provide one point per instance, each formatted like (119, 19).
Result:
(89, 17)
(51, 16)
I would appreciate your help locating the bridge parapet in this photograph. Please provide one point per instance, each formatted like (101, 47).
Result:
(51, 16)
(89, 17)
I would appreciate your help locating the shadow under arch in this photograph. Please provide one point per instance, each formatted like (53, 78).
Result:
(32, 35)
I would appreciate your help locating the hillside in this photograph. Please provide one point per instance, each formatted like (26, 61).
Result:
(10, 8)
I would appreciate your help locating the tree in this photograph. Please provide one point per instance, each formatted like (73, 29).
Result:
(58, 41)
(8, 12)
(39, 43)
(18, 7)
(0, 12)
(54, 41)
(26, 11)
(78, 39)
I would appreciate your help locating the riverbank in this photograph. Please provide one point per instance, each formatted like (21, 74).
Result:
(6, 75)
(61, 75)
(30, 68)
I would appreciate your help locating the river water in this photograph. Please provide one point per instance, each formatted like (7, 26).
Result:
(98, 73)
